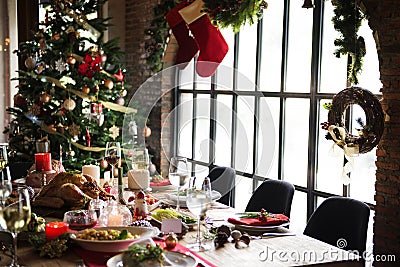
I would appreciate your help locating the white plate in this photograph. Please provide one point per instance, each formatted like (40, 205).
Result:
(214, 196)
(116, 245)
(259, 229)
(177, 258)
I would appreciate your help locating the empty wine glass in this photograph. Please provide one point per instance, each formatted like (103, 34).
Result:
(16, 216)
(113, 156)
(198, 201)
(3, 156)
(140, 159)
(5, 185)
(178, 174)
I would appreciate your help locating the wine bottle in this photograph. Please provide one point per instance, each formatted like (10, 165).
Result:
(121, 186)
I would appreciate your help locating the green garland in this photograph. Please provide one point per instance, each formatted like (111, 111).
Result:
(347, 21)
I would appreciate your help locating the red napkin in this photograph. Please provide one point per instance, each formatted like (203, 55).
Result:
(272, 219)
(99, 259)
(161, 183)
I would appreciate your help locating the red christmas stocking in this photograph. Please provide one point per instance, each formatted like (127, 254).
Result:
(187, 45)
(212, 44)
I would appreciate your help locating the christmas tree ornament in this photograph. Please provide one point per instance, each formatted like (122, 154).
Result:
(71, 60)
(35, 109)
(109, 84)
(52, 89)
(171, 240)
(114, 132)
(188, 47)
(212, 44)
(87, 137)
(30, 63)
(20, 101)
(146, 131)
(40, 67)
(120, 101)
(132, 128)
(119, 76)
(60, 65)
(42, 44)
(60, 128)
(70, 153)
(89, 66)
(56, 36)
(74, 129)
(45, 97)
(123, 92)
(69, 104)
(103, 57)
(86, 89)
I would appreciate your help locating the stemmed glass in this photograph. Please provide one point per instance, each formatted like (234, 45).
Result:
(3, 156)
(198, 201)
(178, 174)
(16, 216)
(113, 156)
(5, 185)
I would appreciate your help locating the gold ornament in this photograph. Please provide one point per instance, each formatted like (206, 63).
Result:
(123, 92)
(30, 63)
(70, 153)
(69, 104)
(71, 60)
(56, 36)
(146, 131)
(45, 97)
(114, 132)
(171, 240)
(109, 84)
(85, 89)
(103, 163)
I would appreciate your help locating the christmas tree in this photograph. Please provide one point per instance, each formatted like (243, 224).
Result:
(72, 89)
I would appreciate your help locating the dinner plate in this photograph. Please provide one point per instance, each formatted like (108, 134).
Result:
(174, 197)
(259, 229)
(116, 245)
(177, 258)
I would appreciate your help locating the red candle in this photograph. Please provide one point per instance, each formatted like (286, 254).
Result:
(43, 162)
(55, 229)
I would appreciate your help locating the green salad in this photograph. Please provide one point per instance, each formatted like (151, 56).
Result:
(169, 213)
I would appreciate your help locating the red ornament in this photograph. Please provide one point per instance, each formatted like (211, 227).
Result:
(87, 138)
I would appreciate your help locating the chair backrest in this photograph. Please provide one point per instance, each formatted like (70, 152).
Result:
(341, 222)
(274, 196)
(223, 180)
(19, 169)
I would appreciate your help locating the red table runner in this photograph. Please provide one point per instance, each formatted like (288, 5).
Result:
(99, 259)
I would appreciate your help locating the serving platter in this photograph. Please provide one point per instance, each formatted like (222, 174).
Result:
(176, 258)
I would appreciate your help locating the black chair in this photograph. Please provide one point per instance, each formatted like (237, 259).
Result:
(223, 180)
(341, 222)
(19, 169)
(274, 196)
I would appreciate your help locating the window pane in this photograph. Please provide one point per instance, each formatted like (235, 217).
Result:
(202, 128)
(184, 133)
(245, 134)
(330, 158)
(369, 77)
(200, 172)
(224, 72)
(298, 213)
(270, 79)
(243, 192)
(296, 140)
(247, 56)
(223, 146)
(299, 49)
(186, 77)
(333, 69)
(268, 137)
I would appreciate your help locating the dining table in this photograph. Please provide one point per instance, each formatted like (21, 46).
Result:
(277, 247)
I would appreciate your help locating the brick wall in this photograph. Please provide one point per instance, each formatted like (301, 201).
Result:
(385, 20)
(139, 15)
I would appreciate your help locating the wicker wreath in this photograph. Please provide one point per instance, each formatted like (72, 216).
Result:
(372, 131)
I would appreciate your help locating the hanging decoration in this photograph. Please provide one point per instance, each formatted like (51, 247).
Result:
(347, 21)
(89, 66)
(114, 132)
(74, 129)
(370, 132)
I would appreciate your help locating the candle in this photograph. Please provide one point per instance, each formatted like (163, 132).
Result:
(43, 162)
(93, 171)
(55, 229)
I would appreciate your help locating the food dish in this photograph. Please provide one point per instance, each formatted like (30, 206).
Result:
(179, 259)
(116, 245)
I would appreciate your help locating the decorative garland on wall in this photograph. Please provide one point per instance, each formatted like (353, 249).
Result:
(347, 21)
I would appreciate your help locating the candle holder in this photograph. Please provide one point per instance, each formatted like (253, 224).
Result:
(43, 174)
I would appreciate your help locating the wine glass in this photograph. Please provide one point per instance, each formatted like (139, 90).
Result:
(198, 201)
(5, 185)
(140, 159)
(16, 216)
(3, 157)
(178, 174)
(113, 156)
